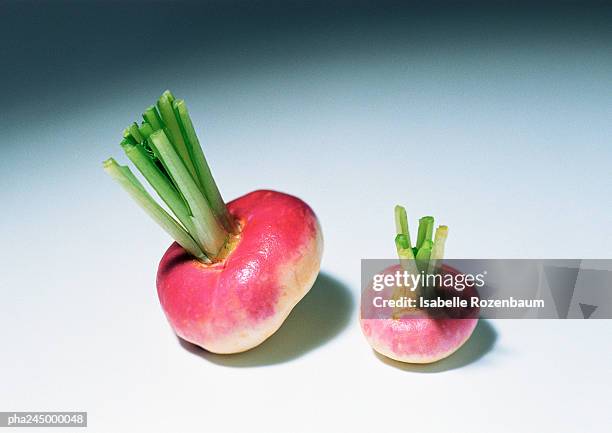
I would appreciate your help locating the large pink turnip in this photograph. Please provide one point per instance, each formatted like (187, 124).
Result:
(236, 271)
(236, 303)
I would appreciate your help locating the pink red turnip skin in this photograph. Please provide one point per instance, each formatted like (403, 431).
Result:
(234, 305)
(416, 338)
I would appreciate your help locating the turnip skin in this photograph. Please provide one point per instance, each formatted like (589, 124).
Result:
(416, 338)
(236, 304)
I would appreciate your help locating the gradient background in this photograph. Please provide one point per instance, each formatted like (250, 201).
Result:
(494, 118)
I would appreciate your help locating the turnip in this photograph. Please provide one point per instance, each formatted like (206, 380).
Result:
(235, 271)
(416, 335)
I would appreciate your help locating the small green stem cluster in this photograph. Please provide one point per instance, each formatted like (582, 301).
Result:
(165, 149)
(427, 251)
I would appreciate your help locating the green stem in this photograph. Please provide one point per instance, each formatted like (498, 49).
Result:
(166, 150)
(401, 223)
(151, 116)
(164, 105)
(437, 252)
(425, 230)
(145, 130)
(402, 244)
(422, 262)
(208, 231)
(423, 254)
(135, 133)
(130, 183)
(160, 183)
(206, 179)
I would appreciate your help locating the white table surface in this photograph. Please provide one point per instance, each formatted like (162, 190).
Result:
(507, 142)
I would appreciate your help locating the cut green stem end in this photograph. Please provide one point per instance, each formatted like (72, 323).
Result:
(166, 150)
(425, 230)
(401, 224)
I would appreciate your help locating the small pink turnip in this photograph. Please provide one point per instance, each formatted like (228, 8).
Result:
(417, 335)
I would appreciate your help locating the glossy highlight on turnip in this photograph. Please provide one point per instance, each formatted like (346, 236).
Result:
(237, 303)
(235, 271)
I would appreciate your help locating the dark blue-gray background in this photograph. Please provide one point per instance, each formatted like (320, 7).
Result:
(495, 118)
